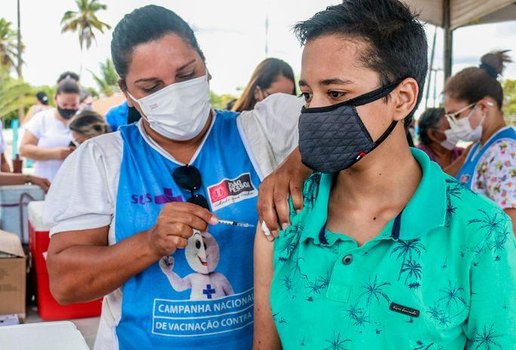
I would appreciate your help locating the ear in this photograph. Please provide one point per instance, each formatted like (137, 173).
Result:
(486, 104)
(405, 98)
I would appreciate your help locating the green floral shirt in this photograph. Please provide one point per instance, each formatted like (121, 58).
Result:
(439, 276)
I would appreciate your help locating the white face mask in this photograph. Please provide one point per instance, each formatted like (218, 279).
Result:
(450, 141)
(178, 111)
(462, 129)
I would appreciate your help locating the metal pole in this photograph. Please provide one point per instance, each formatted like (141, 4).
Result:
(448, 40)
(435, 103)
(430, 69)
(18, 67)
(267, 35)
(19, 48)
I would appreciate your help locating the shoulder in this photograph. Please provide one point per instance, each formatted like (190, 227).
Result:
(41, 116)
(504, 148)
(499, 158)
(39, 122)
(468, 202)
(117, 110)
(109, 145)
(473, 219)
(98, 161)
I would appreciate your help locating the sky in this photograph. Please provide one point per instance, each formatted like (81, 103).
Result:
(230, 32)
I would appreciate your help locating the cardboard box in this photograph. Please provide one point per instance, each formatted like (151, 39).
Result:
(13, 208)
(13, 272)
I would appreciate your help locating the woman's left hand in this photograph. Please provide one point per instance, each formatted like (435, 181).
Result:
(284, 183)
(41, 182)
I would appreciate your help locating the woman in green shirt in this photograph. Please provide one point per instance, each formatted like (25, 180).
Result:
(388, 251)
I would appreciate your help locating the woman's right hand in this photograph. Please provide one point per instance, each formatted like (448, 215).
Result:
(63, 152)
(175, 224)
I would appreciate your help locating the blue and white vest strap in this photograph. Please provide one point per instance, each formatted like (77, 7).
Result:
(468, 170)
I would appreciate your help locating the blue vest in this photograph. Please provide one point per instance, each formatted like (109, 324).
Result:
(190, 300)
(468, 170)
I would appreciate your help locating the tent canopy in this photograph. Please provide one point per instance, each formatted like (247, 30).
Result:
(453, 14)
(464, 12)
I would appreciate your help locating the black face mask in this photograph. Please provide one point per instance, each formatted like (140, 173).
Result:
(66, 113)
(333, 138)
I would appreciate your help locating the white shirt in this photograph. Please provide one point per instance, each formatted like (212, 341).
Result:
(83, 194)
(51, 133)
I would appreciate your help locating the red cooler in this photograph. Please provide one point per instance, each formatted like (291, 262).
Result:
(48, 308)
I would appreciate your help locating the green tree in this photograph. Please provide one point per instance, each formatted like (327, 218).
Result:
(8, 48)
(108, 79)
(84, 21)
(15, 94)
(220, 101)
(509, 107)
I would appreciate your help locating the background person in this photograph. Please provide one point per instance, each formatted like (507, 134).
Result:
(271, 76)
(473, 101)
(435, 138)
(47, 137)
(41, 105)
(87, 124)
(86, 100)
(68, 75)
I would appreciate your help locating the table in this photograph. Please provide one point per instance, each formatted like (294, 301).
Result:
(42, 336)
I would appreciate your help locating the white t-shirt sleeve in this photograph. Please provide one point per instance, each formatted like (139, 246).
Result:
(270, 132)
(83, 194)
(35, 124)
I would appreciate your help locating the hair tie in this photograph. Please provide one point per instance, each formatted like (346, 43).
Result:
(489, 70)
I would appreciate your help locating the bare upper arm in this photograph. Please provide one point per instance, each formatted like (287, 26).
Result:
(90, 237)
(265, 334)
(28, 139)
(512, 213)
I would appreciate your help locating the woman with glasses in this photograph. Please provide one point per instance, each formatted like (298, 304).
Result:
(435, 138)
(473, 102)
(271, 76)
(160, 218)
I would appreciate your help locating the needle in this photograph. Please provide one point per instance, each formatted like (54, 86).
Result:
(234, 223)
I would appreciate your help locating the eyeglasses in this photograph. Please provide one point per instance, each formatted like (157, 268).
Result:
(453, 116)
(188, 177)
